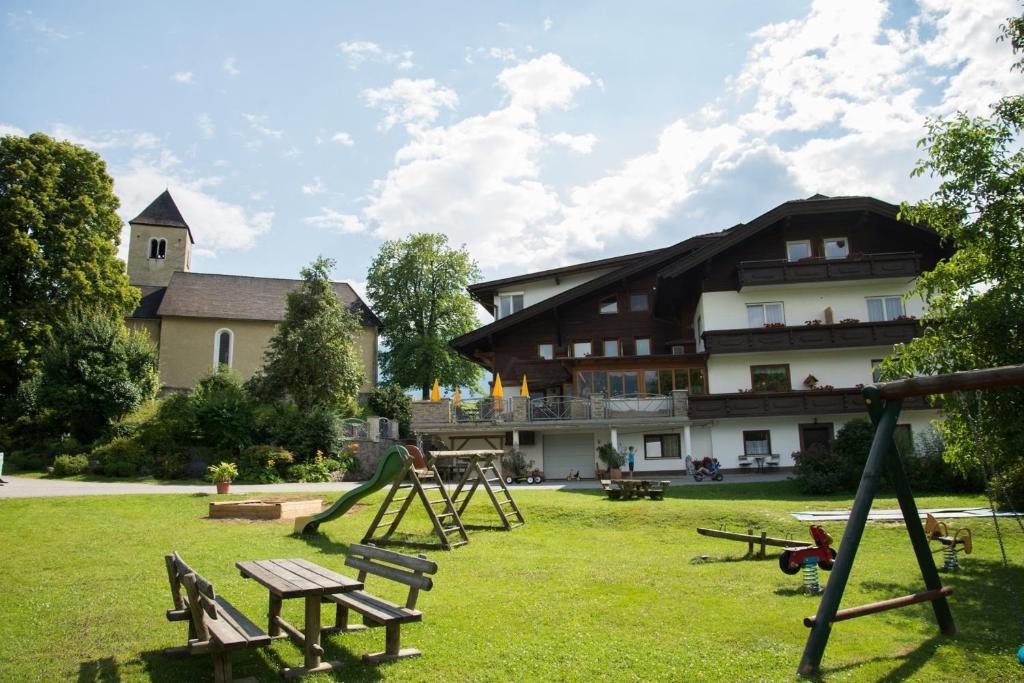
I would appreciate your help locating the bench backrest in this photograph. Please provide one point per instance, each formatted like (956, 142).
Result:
(407, 569)
(200, 599)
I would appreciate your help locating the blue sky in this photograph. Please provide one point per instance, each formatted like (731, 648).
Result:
(538, 134)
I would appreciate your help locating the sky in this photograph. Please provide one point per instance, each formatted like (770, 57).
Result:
(537, 134)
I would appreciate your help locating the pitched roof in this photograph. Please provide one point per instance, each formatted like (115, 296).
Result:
(163, 211)
(149, 302)
(479, 289)
(238, 297)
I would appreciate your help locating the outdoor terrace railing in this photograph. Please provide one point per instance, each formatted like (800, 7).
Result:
(782, 271)
(638, 406)
(484, 410)
(559, 408)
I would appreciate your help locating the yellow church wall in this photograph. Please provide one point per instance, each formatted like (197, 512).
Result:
(186, 349)
(150, 326)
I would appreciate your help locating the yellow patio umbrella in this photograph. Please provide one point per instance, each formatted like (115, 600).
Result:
(457, 397)
(435, 393)
(497, 391)
(525, 389)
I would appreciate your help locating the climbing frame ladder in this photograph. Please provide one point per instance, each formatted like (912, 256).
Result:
(481, 472)
(421, 481)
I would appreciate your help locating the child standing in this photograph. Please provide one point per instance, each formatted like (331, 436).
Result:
(631, 460)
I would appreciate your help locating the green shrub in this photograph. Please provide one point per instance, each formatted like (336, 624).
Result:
(852, 445)
(1008, 488)
(928, 470)
(319, 469)
(392, 402)
(70, 465)
(223, 412)
(263, 464)
(818, 470)
(26, 461)
(301, 432)
(121, 458)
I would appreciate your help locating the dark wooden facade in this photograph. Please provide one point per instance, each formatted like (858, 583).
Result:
(811, 336)
(768, 404)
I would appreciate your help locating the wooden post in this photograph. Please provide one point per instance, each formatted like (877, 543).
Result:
(393, 639)
(273, 614)
(818, 637)
(750, 544)
(311, 642)
(764, 535)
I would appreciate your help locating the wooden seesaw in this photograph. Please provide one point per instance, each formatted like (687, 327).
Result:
(750, 539)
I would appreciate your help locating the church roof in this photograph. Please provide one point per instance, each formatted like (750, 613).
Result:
(149, 302)
(239, 297)
(163, 211)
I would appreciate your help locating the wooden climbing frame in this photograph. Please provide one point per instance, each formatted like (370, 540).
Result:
(481, 472)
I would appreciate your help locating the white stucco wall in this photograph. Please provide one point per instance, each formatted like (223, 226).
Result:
(728, 373)
(727, 434)
(539, 290)
(728, 310)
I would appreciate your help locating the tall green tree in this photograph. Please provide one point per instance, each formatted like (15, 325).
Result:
(417, 286)
(59, 234)
(975, 299)
(95, 371)
(313, 357)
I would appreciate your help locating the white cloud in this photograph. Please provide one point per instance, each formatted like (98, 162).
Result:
(548, 24)
(6, 129)
(360, 51)
(336, 221)
(343, 138)
(414, 102)
(206, 126)
(258, 122)
(26, 19)
(145, 141)
(292, 152)
(216, 224)
(315, 187)
(231, 66)
(183, 77)
(96, 142)
(581, 144)
(542, 83)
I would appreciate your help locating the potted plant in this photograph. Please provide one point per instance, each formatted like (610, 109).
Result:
(222, 475)
(612, 458)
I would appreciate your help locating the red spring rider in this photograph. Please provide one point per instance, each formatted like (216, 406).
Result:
(792, 559)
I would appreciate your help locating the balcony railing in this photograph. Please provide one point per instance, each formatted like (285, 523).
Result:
(781, 271)
(484, 410)
(638, 406)
(559, 408)
(779, 403)
(811, 336)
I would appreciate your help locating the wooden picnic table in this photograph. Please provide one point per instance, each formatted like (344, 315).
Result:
(297, 578)
(638, 488)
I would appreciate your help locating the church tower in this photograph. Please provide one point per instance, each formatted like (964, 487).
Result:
(159, 244)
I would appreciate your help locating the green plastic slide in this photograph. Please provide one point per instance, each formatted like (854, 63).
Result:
(390, 466)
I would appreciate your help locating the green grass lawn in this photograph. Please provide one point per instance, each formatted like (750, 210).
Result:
(588, 589)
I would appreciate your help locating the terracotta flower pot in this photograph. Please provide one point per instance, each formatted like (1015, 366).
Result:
(223, 486)
(616, 473)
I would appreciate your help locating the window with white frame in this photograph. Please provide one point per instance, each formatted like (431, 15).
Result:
(609, 305)
(759, 315)
(153, 247)
(643, 346)
(881, 308)
(611, 347)
(661, 446)
(509, 304)
(798, 249)
(837, 247)
(223, 348)
(582, 349)
(546, 351)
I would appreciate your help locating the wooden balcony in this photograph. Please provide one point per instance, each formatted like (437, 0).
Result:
(785, 403)
(867, 266)
(841, 335)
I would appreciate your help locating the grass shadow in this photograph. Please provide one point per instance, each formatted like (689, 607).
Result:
(104, 670)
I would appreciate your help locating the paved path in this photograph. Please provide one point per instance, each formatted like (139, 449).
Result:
(23, 487)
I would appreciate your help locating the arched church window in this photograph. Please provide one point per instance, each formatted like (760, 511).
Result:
(153, 248)
(223, 348)
(162, 249)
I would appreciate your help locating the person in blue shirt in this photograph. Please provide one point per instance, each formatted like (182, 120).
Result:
(631, 460)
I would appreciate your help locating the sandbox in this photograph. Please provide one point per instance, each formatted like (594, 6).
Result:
(265, 508)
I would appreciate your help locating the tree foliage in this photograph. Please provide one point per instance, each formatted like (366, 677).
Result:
(59, 232)
(313, 357)
(391, 401)
(417, 286)
(94, 372)
(975, 299)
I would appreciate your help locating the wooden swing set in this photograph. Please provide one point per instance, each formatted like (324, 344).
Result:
(884, 402)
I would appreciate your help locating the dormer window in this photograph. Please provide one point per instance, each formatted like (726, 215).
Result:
(509, 304)
(836, 247)
(798, 249)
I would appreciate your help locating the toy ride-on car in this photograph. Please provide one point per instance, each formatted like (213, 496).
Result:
(792, 559)
(534, 476)
(708, 467)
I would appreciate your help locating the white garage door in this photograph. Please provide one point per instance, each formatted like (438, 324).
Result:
(568, 452)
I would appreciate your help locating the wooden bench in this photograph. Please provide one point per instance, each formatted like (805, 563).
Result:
(214, 624)
(376, 612)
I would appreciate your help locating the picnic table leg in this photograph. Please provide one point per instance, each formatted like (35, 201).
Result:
(311, 647)
(273, 614)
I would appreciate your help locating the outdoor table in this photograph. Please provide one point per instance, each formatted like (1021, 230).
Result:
(299, 578)
(759, 461)
(632, 488)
